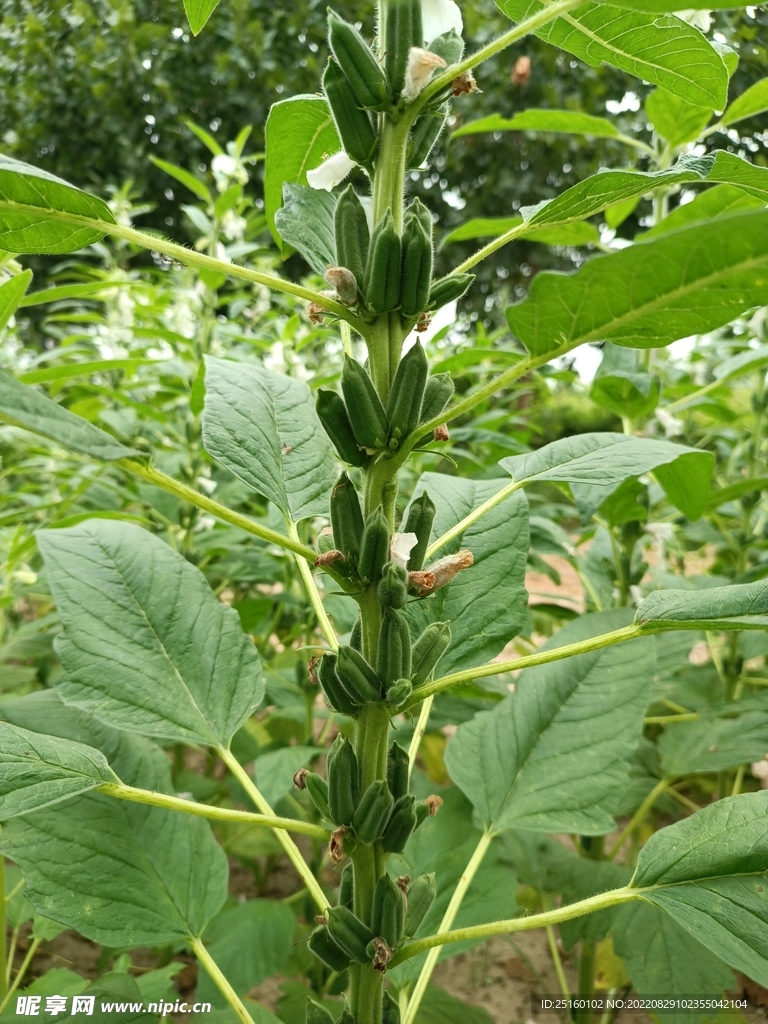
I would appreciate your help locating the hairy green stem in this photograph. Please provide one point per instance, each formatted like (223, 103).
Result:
(449, 917)
(421, 728)
(314, 594)
(175, 803)
(293, 852)
(217, 976)
(518, 924)
(554, 951)
(227, 515)
(21, 972)
(473, 516)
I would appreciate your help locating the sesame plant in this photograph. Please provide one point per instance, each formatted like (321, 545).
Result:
(435, 576)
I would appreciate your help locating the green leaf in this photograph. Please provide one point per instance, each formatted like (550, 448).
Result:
(688, 282)
(38, 770)
(661, 50)
(745, 603)
(263, 427)
(663, 959)
(121, 874)
(305, 222)
(568, 122)
(609, 188)
(440, 1007)
(135, 760)
(595, 464)
(668, 6)
(249, 942)
(300, 134)
(11, 294)
(709, 873)
(198, 12)
(40, 213)
(674, 119)
(274, 771)
(621, 386)
(89, 289)
(198, 188)
(554, 755)
(70, 370)
(714, 743)
(577, 233)
(753, 101)
(146, 645)
(743, 363)
(487, 603)
(718, 201)
(24, 407)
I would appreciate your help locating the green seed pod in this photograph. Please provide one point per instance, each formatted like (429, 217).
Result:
(359, 680)
(421, 516)
(421, 212)
(335, 693)
(399, 692)
(393, 660)
(421, 896)
(361, 68)
(373, 812)
(355, 128)
(323, 946)
(382, 272)
(422, 812)
(401, 824)
(428, 650)
(317, 1014)
(317, 788)
(448, 289)
(333, 415)
(404, 30)
(398, 771)
(407, 394)
(356, 636)
(366, 413)
(350, 933)
(388, 916)
(449, 46)
(333, 750)
(374, 550)
(346, 1018)
(390, 1012)
(352, 234)
(343, 785)
(347, 887)
(346, 519)
(437, 395)
(416, 277)
(424, 135)
(392, 592)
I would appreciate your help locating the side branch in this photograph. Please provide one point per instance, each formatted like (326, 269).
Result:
(215, 508)
(519, 924)
(176, 803)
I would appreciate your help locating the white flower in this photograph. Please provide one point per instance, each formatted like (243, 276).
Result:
(439, 17)
(699, 19)
(330, 172)
(226, 169)
(400, 548)
(421, 64)
(673, 427)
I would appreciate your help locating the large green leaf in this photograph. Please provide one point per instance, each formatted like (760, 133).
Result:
(11, 293)
(668, 6)
(487, 603)
(609, 188)
(42, 213)
(576, 233)
(121, 874)
(305, 221)
(622, 386)
(38, 770)
(568, 122)
(146, 645)
(742, 603)
(198, 12)
(440, 1007)
(659, 49)
(300, 134)
(709, 872)
(263, 427)
(753, 101)
(674, 119)
(554, 755)
(24, 407)
(716, 742)
(249, 942)
(646, 296)
(718, 201)
(596, 464)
